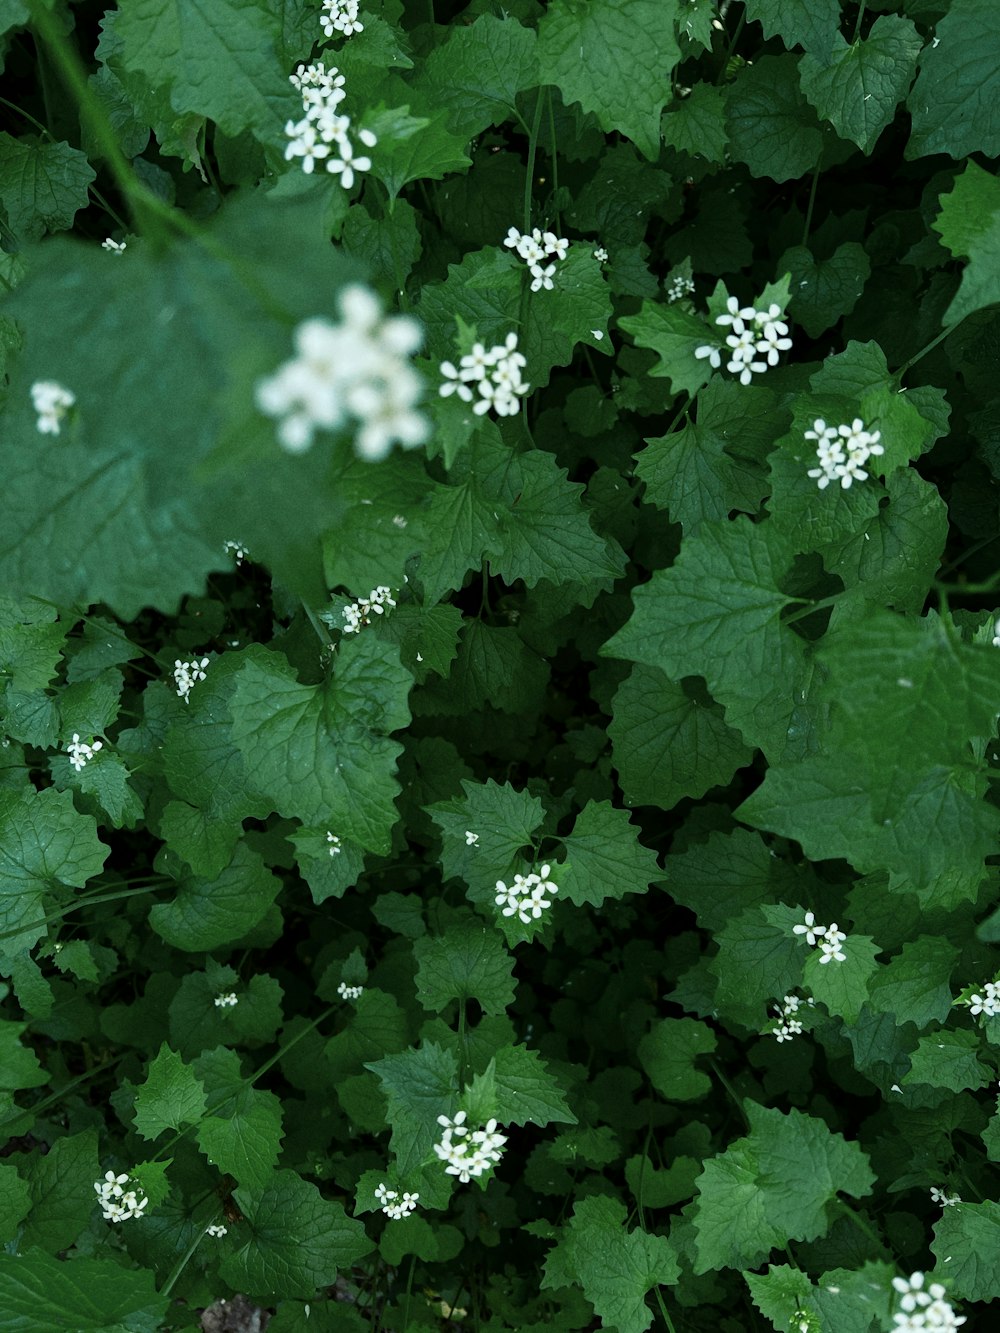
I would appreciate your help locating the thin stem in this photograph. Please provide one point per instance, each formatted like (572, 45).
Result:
(91, 901)
(808, 609)
(25, 115)
(463, 1042)
(663, 1311)
(532, 150)
(857, 25)
(918, 356)
(812, 198)
(861, 1223)
(54, 1097)
(962, 589)
(555, 157)
(717, 1069)
(182, 1263)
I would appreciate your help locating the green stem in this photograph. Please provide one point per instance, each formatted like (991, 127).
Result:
(861, 1223)
(918, 356)
(808, 609)
(959, 590)
(812, 198)
(532, 150)
(55, 1097)
(857, 25)
(18, 111)
(555, 157)
(463, 1043)
(717, 1069)
(181, 1264)
(663, 1311)
(91, 901)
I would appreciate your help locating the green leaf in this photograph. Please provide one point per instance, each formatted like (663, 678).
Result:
(965, 1243)
(469, 961)
(696, 124)
(31, 643)
(197, 1023)
(19, 1067)
(526, 1092)
(771, 126)
(171, 1096)
(858, 87)
(296, 1240)
(954, 101)
(915, 985)
(842, 987)
(720, 878)
(773, 1186)
(948, 1059)
(217, 56)
(969, 225)
(206, 844)
(478, 71)
(42, 185)
(825, 289)
(779, 1293)
(615, 1268)
(614, 57)
(245, 1142)
(42, 1294)
(321, 753)
(504, 821)
(604, 858)
(419, 1085)
(329, 869)
(414, 148)
(668, 1055)
(62, 1192)
(673, 334)
(670, 741)
(15, 1202)
(814, 26)
(44, 842)
(759, 959)
(205, 914)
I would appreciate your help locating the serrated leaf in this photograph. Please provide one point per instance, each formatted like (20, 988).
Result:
(414, 148)
(526, 1092)
(757, 961)
(673, 334)
(62, 1192)
(44, 842)
(857, 87)
(615, 1267)
(218, 57)
(207, 913)
(503, 820)
(604, 857)
(669, 742)
(696, 124)
(954, 100)
(728, 873)
(42, 1294)
(419, 1085)
(468, 961)
(969, 225)
(246, 1142)
(842, 987)
(42, 185)
(948, 1059)
(914, 986)
(478, 71)
(171, 1096)
(322, 753)
(965, 1239)
(614, 57)
(15, 1202)
(296, 1240)
(823, 290)
(814, 26)
(771, 126)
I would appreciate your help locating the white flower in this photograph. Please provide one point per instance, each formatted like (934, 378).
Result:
(347, 992)
(830, 946)
(471, 838)
(540, 251)
(542, 277)
(601, 255)
(713, 354)
(943, 1199)
(393, 1206)
(51, 402)
(735, 314)
(187, 675)
(496, 373)
(238, 550)
(341, 16)
(216, 1230)
(80, 753)
(842, 452)
(305, 142)
(334, 844)
(467, 1154)
(680, 287)
(359, 613)
(809, 929)
(228, 1000)
(785, 1025)
(114, 247)
(117, 1203)
(528, 896)
(996, 634)
(346, 164)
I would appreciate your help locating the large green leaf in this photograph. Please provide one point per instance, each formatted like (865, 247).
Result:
(42, 185)
(42, 1294)
(954, 101)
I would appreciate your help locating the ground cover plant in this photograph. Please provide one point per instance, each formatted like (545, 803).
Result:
(500, 650)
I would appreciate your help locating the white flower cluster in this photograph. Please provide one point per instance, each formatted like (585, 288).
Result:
(786, 1025)
(496, 374)
(216, 1229)
(679, 288)
(923, 1309)
(113, 247)
(51, 401)
(227, 1000)
(324, 134)
(996, 634)
(829, 938)
(987, 1001)
(527, 897)
(468, 1153)
(843, 451)
(943, 1198)
(357, 368)
(756, 339)
(395, 1207)
(238, 550)
(601, 255)
(341, 16)
(117, 1203)
(360, 613)
(471, 838)
(79, 753)
(187, 675)
(350, 992)
(334, 846)
(540, 251)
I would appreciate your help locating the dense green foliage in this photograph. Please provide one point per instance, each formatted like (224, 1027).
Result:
(552, 776)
